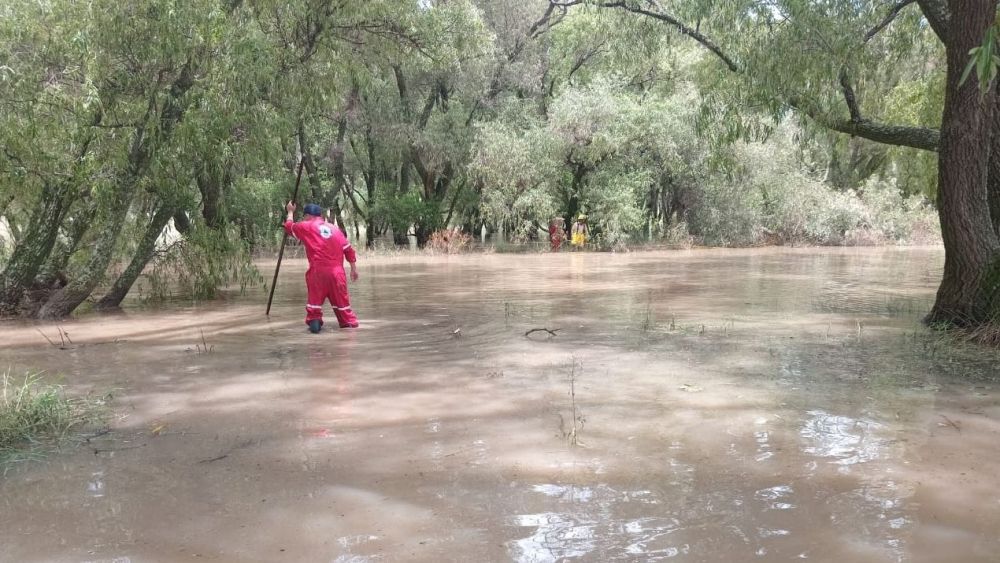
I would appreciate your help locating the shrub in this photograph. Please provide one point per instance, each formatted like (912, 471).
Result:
(449, 241)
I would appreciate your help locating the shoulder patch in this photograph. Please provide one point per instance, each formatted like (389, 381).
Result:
(325, 231)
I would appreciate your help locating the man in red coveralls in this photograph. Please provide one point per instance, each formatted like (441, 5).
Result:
(326, 248)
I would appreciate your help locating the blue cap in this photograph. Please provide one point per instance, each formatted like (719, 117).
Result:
(313, 209)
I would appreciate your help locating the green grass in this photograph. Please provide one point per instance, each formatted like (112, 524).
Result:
(36, 416)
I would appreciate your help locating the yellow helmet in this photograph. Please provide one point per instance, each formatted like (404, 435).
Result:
(582, 217)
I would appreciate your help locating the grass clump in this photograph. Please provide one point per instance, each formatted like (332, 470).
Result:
(35, 415)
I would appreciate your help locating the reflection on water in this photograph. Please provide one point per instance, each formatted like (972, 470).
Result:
(721, 518)
(560, 536)
(95, 487)
(556, 537)
(849, 440)
(580, 530)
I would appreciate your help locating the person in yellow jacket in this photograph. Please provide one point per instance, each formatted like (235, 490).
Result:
(580, 232)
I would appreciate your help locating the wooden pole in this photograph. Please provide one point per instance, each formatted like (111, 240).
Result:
(284, 239)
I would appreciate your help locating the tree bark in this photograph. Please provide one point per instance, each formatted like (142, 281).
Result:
(970, 242)
(143, 254)
(993, 181)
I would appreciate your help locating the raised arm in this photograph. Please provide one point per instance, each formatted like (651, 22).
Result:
(290, 218)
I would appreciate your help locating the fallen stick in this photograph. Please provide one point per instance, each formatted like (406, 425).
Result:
(46, 337)
(109, 450)
(950, 422)
(551, 332)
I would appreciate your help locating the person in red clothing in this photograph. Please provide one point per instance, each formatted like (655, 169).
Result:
(557, 233)
(326, 248)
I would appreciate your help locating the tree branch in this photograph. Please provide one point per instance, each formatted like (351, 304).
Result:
(349, 190)
(666, 18)
(583, 59)
(888, 19)
(923, 138)
(536, 28)
(849, 97)
(938, 15)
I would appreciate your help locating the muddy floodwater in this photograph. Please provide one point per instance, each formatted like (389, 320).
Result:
(706, 405)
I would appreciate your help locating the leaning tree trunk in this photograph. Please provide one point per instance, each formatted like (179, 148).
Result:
(144, 143)
(55, 266)
(5, 202)
(32, 250)
(970, 242)
(66, 300)
(143, 254)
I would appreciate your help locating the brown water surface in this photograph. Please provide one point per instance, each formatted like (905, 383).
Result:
(708, 405)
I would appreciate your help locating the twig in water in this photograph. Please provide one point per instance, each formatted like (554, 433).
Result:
(87, 438)
(46, 338)
(204, 348)
(952, 423)
(552, 332)
(109, 450)
(62, 346)
(573, 436)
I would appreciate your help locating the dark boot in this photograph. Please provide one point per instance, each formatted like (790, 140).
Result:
(315, 326)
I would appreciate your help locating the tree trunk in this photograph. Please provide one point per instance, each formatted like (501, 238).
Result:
(66, 300)
(143, 254)
(993, 183)
(212, 183)
(423, 234)
(315, 184)
(182, 223)
(399, 234)
(5, 202)
(337, 152)
(148, 137)
(371, 184)
(573, 205)
(969, 239)
(33, 248)
(54, 267)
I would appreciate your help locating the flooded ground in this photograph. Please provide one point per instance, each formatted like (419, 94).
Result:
(712, 405)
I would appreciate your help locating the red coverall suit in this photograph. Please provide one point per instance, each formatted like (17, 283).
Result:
(326, 248)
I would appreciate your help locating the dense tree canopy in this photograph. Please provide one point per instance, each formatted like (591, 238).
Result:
(161, 137)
